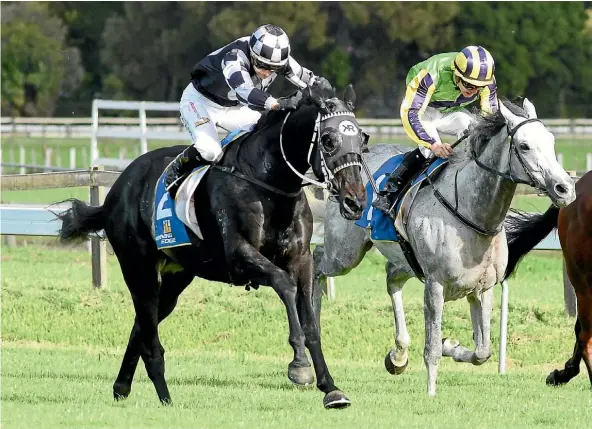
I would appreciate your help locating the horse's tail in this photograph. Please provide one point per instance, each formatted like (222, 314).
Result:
(526, 230)
(79, 221)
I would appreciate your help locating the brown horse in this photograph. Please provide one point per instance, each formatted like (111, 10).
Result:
(574, 224)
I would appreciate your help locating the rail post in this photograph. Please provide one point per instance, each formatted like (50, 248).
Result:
(98, 246)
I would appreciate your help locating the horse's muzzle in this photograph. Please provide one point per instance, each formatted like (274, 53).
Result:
(352, 207)
(562, 192)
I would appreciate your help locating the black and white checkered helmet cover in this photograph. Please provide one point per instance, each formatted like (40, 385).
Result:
(270, 45)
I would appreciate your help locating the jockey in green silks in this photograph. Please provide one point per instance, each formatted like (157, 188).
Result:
(438, 90)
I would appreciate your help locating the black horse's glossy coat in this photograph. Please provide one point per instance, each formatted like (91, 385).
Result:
(251, 235)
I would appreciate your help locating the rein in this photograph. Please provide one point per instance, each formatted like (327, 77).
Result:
(327, 173)
(506, 176)
(233, 171)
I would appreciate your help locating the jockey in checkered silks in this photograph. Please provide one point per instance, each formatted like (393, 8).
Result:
(228, 89)
(438, 90)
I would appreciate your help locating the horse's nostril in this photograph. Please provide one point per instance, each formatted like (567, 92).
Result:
(352, 203)
(561, 189)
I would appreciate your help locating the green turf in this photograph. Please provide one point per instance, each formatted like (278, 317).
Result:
(227, 354)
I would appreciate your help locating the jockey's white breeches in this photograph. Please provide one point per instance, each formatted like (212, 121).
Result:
(454, 124)
(200, 116)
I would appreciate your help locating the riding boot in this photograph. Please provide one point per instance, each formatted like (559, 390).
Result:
(183, 164)
(411, 163)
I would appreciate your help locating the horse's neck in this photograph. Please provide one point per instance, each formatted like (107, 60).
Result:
(270, 165)
(485, 197)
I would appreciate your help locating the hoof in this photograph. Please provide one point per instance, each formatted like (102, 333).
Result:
(118, 396)
(392, 368)
(552, 379)
(121, 392)
(302, 376)
(449, 344)
(336, 400)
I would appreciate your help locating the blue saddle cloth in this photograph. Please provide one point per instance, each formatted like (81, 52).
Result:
(169, 231)
(381, 225)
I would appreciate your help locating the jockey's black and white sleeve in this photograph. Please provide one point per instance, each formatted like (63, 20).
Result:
(298, 75)
(235, 67)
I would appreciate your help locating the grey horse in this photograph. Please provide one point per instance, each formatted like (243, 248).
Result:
(504, 149)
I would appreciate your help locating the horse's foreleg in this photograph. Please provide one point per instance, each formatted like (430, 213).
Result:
(481, 320)
(171, 287)
(396, 360)
(302, 270)
(263, 271)
(433, 307)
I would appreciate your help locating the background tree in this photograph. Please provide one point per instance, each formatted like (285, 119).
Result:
(85, 22)
(539, 47)
(144, 50)
(37, 65)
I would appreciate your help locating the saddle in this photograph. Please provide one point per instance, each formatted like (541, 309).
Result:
(381, 225)
(172, 217)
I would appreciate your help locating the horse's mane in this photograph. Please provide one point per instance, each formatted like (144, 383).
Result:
(271, 117)
(486, 127)
(320, 85)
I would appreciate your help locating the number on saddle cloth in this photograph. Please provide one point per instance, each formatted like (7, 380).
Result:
(381, 225)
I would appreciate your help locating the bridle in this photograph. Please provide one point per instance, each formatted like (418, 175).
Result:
(504, 175)
(513, 150)
(328, 173)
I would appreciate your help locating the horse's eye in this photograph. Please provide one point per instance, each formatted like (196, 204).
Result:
(524, 147)
(330, 141)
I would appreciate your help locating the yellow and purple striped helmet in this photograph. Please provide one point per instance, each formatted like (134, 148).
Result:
(474, 64)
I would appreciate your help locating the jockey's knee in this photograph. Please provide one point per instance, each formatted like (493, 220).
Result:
(465, 124)
(211, 152)
(209, 149)
(464, 121)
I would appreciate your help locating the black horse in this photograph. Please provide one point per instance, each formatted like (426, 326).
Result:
(256, 225)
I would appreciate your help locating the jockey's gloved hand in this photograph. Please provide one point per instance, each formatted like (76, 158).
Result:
(289, 103)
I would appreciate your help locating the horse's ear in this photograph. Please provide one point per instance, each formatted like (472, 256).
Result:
(349, 97)
(529, 108)
(511, 119)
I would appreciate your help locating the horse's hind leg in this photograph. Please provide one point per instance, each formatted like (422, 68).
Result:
(585, 337)
(142, 279)
(583, 347)
(172, 284)
(396, 360)
(572, 366)
(481, 319)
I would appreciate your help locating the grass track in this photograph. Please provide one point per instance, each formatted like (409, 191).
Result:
(227, 354)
